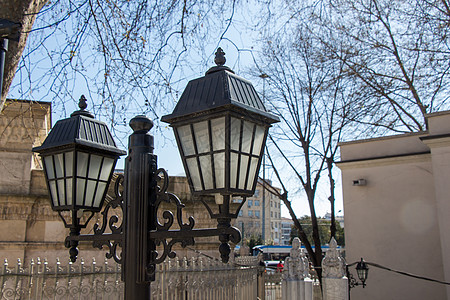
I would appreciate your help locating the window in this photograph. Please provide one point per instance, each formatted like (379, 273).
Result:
(271, 203)
(250, 224)
(276, 225)
(241, 224)
(250, 203)
(257, 224)
(237, 200)
(271, 214)
(256, 193)
(241, 213)
(256, 202)
(257, 213)
(250, 213)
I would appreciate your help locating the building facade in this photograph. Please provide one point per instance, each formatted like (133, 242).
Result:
(261, 214)
(397, 210)
(286, 229)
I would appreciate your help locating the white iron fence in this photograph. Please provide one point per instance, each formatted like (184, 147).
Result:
(39, 281)
(206, 279)
(177, 279)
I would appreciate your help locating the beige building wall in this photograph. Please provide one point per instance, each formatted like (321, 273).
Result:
(400, 217)
(28, 227)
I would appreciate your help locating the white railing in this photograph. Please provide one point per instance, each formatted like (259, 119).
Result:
(206, 279)
(38, 280)
(177, 279)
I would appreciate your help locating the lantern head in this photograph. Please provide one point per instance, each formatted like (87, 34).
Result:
(78, 156)
(221, 126)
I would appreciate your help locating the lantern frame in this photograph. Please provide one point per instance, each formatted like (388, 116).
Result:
(362, 271)
(71, 139)
(221, 93)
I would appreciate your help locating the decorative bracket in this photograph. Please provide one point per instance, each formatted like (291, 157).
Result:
(111, 232)
(113, 239)
(186, 233)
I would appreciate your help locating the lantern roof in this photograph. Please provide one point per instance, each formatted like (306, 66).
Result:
(219, 89)
(83, 130)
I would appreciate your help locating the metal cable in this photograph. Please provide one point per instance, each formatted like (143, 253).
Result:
(406, 274)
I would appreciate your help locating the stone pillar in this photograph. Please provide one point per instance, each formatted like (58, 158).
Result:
(295, 275)
(335, 283)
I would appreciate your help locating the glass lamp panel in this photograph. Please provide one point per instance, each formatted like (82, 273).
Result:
(243, 171)
(186, 140)
(235, 133)
(68, 164)
(362, 274)
(59, 165)
(218, 133)
(194, 173)
(61, 191)
(69, 191)
(82, 164)
(207, 172)
(107, 166)
(252, 172)
(219, 166)
(99, 194)
(95, 164)
(53, 193)
(48, 161)
(258, 141)
(201, 132)
(81, 186)
(233, 169)
(90, 193)
(247, 135)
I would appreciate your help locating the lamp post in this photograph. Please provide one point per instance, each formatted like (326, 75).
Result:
(220, 125)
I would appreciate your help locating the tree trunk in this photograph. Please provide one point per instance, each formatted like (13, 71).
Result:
(24, 12)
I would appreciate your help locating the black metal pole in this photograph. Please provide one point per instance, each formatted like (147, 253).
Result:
(3, 50)
(140, 167)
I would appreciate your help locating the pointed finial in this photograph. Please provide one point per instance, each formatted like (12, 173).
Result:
(220, 57)
(220, 61)
(82, 103)
(333, 244)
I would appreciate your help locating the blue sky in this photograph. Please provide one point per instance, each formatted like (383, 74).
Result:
(241, 61)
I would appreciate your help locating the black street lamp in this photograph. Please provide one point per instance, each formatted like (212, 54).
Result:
(220, 125)
(78, 156)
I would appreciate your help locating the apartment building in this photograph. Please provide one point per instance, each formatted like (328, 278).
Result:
(261, 214)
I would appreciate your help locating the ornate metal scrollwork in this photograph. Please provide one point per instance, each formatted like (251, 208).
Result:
(164, 196)
(163, 235)
(108, 234)
(116, 239)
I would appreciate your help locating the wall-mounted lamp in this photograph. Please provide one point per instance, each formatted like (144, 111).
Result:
(361, 270)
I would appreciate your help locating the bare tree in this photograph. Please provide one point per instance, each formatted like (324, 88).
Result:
(128, 56)
(397, 52)
(310, 95)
